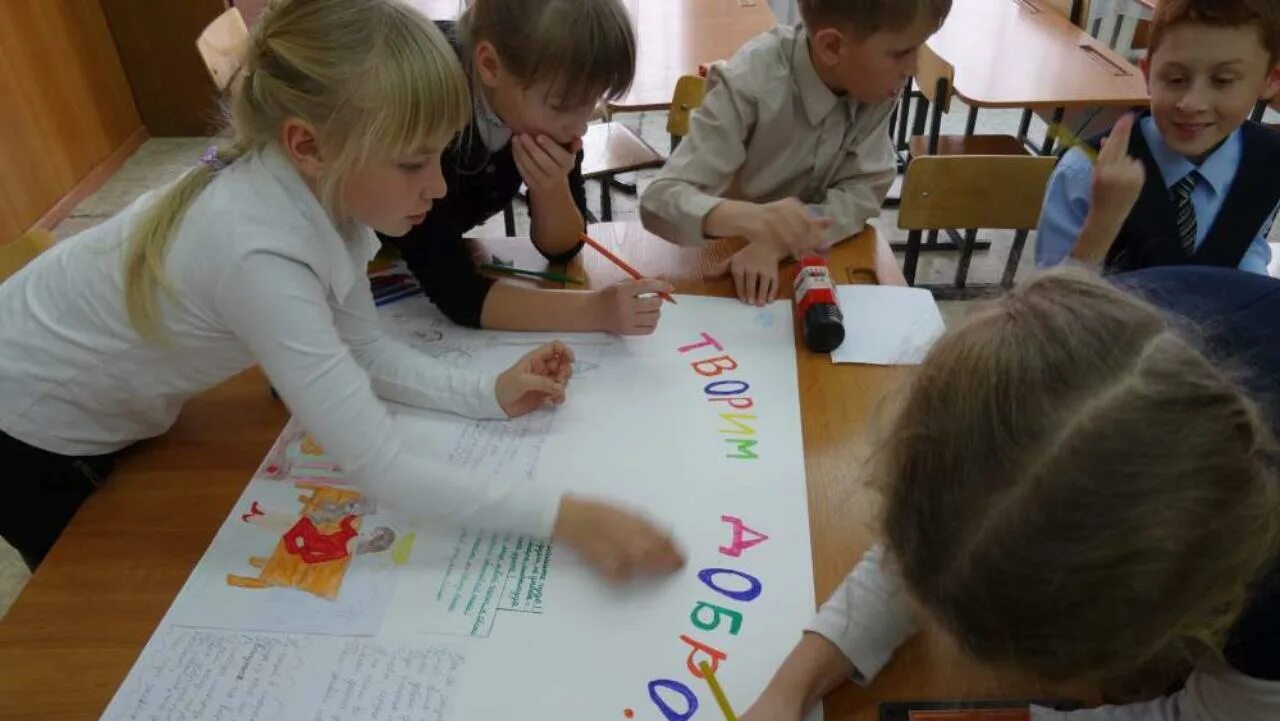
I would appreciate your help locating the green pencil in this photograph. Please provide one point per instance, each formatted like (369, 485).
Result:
(545, 275)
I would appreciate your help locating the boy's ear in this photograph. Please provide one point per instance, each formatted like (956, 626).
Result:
(1271, 91)
(1145, 64)
(301, 144)
(488, 64)
(827, 43)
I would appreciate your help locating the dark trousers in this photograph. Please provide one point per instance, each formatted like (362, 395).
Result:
(49, 489)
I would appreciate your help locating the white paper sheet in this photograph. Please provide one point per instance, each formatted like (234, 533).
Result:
(885, 325)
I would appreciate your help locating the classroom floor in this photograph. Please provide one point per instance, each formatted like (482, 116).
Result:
(160, 160)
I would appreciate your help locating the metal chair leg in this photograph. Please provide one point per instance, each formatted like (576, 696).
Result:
(912, 258)
(509, 219)
(966, 253)
(1015, 258)
(1049, 138)
(1024, 126)
(606, 201)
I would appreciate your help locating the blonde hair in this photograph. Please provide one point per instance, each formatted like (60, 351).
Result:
(1073, 489)
(584, 49)
(374, 77)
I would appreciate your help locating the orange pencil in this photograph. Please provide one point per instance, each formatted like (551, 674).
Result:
(620, 263)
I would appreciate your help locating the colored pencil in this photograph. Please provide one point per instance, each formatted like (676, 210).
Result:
(620, 263)
(544, 274)
(716, 691)
(397, 295)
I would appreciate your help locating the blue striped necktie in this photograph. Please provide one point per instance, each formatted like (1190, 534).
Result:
(1184, 211)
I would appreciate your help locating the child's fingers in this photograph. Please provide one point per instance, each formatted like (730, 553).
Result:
(1117, 144)
(740, 279)
(556, 152)
(538, 157)
(565, 351)
(533, 383)
(651, 285)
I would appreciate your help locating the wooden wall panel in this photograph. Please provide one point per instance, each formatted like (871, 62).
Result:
(66, 106)
(156, 40)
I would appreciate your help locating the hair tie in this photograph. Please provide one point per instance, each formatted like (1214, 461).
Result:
(211, 159)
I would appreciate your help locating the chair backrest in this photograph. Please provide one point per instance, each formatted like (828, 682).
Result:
(15, 255)
(223, 46)
(974, 191)
(1065, 8)
(930, 69)
(687, 96)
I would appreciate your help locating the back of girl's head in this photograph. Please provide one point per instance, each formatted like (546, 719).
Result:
(1074, 490)
(583, 50)
(374, 78)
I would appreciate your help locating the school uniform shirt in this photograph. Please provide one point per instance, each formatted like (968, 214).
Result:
(483, 179)
(1067, 200)
(869, 615)
(769, 129)
(259, 274)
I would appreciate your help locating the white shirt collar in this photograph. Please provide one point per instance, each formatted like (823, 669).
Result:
(341, 254)
(493, 132)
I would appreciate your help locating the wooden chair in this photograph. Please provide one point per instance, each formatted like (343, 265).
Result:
(16, 254)
(936, 78)
(684, 100)
(1077, 11)
(972, 191)
(222, 47)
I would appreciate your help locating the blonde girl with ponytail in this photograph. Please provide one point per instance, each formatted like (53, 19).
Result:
(257, 256)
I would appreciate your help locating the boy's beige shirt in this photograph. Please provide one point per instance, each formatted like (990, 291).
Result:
(769, 129)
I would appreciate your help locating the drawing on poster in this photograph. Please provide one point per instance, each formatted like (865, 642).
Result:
(298, 458)
(316, 545)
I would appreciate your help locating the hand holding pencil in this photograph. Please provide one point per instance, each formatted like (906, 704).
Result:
(620, 263)
(632, 307)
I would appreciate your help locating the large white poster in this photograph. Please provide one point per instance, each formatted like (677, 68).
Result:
(313, 603)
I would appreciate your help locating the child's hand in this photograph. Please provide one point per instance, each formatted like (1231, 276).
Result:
(787, 227)
(543, 163)
(755, 273)
(619, 544)
(1117, 177)
(630, 307)
(541, 375)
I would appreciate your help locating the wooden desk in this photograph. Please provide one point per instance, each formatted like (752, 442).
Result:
(676, 36)
(73, 635)
(673, 37)
(1021, 54)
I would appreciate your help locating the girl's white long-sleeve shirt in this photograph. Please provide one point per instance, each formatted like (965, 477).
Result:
(259, 274)
(869, 616)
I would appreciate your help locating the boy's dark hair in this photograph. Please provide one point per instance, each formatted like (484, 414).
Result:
(1263, 15)
(868, 17)
(585, 49)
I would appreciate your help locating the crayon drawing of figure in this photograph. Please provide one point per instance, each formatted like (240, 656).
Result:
(316, 546)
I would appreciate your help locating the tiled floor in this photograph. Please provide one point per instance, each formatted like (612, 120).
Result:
(161, 160)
